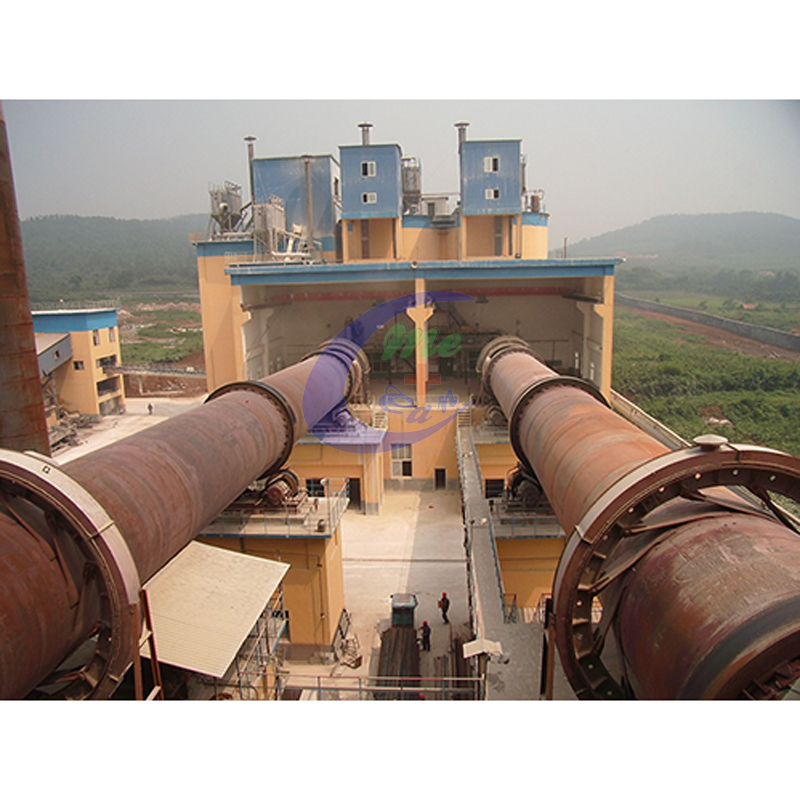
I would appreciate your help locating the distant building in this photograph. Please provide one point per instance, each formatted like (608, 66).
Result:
(78, 352)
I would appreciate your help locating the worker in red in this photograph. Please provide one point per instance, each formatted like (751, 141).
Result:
(444, 605)
(425, 633)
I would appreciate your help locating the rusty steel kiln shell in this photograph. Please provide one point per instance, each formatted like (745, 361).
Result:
(77, 541)
(636, 515)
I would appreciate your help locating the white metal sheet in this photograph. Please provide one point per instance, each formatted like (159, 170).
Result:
(203, 604)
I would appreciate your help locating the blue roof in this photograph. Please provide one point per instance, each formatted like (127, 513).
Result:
(287, 274)
(68, 320)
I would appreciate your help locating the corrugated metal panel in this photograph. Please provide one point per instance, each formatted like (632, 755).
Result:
(52, 350)
(488, 167)
(205, 602)
(371, 171)
(68, 320)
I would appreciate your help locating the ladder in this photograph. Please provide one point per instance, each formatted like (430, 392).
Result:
(148, 637)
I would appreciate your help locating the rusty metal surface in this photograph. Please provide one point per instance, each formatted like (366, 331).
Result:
(160, 487)
(22, 421)
(711, 609)
(700, 590)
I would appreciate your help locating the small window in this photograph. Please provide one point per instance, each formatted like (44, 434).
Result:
(78, 365)
(315, 487)
(369, 197)
(492, 194)
(112, 336)
(401, 461)
(96, 337)
(57, 354)
(491, 164)
(369, 169)
(493, 487)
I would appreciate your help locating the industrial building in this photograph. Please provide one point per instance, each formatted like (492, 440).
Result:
(366, 341)
(326, 239)
(78, 351)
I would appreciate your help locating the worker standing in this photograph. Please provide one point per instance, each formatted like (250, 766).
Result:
(425, 632)
(444, 605)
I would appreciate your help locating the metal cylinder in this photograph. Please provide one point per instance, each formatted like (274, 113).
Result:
(699, 588)
(22, 420)
(77, 541)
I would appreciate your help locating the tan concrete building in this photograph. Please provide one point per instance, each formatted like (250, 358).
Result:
(315, 256)
(79, 353)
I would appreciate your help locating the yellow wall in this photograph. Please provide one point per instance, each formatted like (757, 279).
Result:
(437, 451)
(495, 460)
(479, 236)
(429, 244)
(606, 310)
(77, 389)
(222, 323)
(527, 567)
(534, 241)
(313, 588)
(381, 236)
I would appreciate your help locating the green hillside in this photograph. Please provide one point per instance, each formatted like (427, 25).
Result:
(71, 257)
(675, 242)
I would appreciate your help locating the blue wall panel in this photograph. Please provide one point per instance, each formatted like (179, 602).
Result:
(506, 181)
(383, 181)
(286, 178)
(68, 321)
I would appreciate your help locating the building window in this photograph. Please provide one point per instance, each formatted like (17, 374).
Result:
(78, 365)
(369, 197)
(492, 194)
(401, 460)
(369, 169)
(491, 164)
(314, 487)
(112, 336)
(96, 337)
(494, 487)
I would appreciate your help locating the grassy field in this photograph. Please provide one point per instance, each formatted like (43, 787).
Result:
(783, 316)
(157, 332)
(695, 388)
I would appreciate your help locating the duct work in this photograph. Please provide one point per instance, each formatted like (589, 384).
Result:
(695, 567)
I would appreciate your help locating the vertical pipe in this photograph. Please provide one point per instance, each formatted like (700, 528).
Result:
(250, 156)
(309, 204)
(22, 420)
(365, 126)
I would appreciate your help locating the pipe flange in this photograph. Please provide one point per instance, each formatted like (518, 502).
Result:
(100, 542)
(271, 394)
(351, 356)
(493, 351)
(613, 516)
(536, 388)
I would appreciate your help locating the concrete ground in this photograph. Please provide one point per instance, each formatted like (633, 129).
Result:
(117, 426)
(415, 546)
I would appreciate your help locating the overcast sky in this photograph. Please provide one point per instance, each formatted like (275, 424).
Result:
(603, 165)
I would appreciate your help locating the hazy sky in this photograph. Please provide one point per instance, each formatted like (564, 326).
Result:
(602, 164)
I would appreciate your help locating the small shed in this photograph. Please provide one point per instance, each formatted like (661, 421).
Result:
(403, 606)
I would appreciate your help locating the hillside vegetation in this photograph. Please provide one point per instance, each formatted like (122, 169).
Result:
(695, 388)
(84, 258)
(675, 242)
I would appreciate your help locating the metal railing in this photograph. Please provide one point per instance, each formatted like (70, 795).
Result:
(346, 687)
(319, 517)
